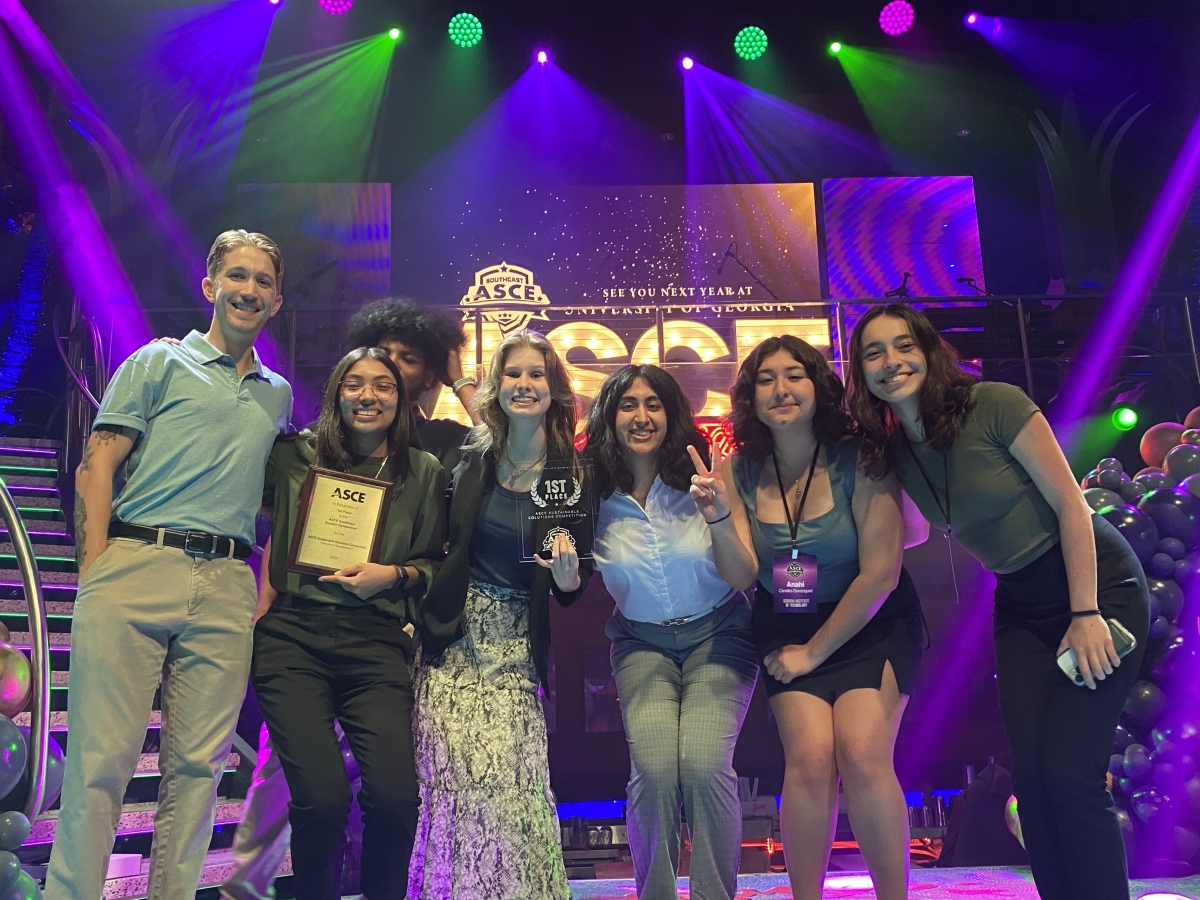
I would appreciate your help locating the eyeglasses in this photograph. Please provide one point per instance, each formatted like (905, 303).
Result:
(381, 389)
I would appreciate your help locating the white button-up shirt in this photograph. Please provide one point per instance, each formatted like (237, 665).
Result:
(657, 562)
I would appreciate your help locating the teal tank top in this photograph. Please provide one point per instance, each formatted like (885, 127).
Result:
(832, 538)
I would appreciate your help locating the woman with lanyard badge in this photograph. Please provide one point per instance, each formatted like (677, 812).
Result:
(334, 646)
(681, 653)
(980, 459)
(836, 619)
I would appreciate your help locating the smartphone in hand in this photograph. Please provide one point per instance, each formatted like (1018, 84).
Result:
(1123, 642)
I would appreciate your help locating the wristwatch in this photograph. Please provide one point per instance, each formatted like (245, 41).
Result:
(402, 580)
(462, 383)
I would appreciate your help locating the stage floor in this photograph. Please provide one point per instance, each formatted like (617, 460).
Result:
(925, 884)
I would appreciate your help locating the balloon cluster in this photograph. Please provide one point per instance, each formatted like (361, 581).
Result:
(1154, 764)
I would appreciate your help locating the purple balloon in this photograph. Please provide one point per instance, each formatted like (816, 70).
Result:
(1110, 462)
(1159, 627)
(1184, 735)
(1122, 738)
(1136, 763)
(1186, 570)
(1182, 461)
(1191, 484)
(1173, 547)
(1116, 765)
(1189, 801)
(1109, 479)
(1149, 470)
(1160, 566)
(1127, 785)
(1170, 596)
(1172, 769)
(1136, 527)
(1175, 512)
(1154, 806)
(1154, 482)
(1145, 705)
(1131, 491)
(1090, 480)
(1098, 498)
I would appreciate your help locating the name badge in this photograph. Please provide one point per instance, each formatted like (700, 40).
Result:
(795, 583)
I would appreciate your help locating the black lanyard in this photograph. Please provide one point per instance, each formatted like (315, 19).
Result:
(944, 510)
(794, 526)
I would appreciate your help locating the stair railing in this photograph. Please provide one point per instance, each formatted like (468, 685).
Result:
(39, 721)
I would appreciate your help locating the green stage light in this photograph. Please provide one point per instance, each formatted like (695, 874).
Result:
(1124, 418)
(466, 30)
(835, 47)
(395, 34)
(750, 43)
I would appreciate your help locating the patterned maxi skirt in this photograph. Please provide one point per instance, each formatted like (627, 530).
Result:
(488, 827)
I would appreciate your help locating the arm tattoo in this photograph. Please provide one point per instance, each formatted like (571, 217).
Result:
(80, 530)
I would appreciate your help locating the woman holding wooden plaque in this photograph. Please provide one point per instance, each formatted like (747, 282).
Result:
(489, 826)
(359, 524)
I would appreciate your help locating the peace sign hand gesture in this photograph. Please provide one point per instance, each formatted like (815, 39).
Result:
(708, 487)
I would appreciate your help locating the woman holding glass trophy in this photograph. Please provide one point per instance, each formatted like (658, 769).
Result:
(488, 823)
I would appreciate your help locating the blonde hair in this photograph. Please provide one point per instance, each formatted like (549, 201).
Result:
(492, 432)
(238, 237)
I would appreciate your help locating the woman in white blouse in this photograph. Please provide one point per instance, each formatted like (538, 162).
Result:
(682, 655)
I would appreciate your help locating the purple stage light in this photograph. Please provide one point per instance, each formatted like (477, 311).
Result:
(273, 2)
(687, 62)
(336, 7)
(896, 18)
(543, 57)
(972, 19)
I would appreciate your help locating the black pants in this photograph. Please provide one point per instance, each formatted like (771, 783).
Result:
(1062, 734)
(314, 662)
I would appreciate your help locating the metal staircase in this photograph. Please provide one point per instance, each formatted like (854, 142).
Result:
(30, 469)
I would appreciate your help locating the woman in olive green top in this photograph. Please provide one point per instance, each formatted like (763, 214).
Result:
(334, 646)
(981, 462)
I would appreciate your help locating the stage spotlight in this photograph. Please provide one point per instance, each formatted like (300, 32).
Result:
(465, 30)
(543, 57)
(336, 7)
(273, 2)
(1124, 418)
(750, 43)
(394, 34)
(687, 63)
(972, 19)
(835, 47)
(896, 18)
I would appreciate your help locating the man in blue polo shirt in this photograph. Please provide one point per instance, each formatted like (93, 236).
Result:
(163, 587)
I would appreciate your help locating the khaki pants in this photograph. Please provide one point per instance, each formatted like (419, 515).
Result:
(142, 610)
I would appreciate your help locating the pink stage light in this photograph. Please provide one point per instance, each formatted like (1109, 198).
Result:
(972, 19)
(897, 17)
(273, 2)
(543, 57)
(686, 62)
(336, 7)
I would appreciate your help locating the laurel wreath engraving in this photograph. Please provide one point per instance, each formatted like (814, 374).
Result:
(571, 501)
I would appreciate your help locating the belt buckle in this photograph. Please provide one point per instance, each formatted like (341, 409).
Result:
(200, 543)
(682, 620)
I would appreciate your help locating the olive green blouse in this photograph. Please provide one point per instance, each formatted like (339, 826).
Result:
(414, 535)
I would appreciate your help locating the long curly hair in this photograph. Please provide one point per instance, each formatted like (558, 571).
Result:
(675, 468)
(431, 332)
(331, 437)
(751, 438)
(492, 432)
(945, 394)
